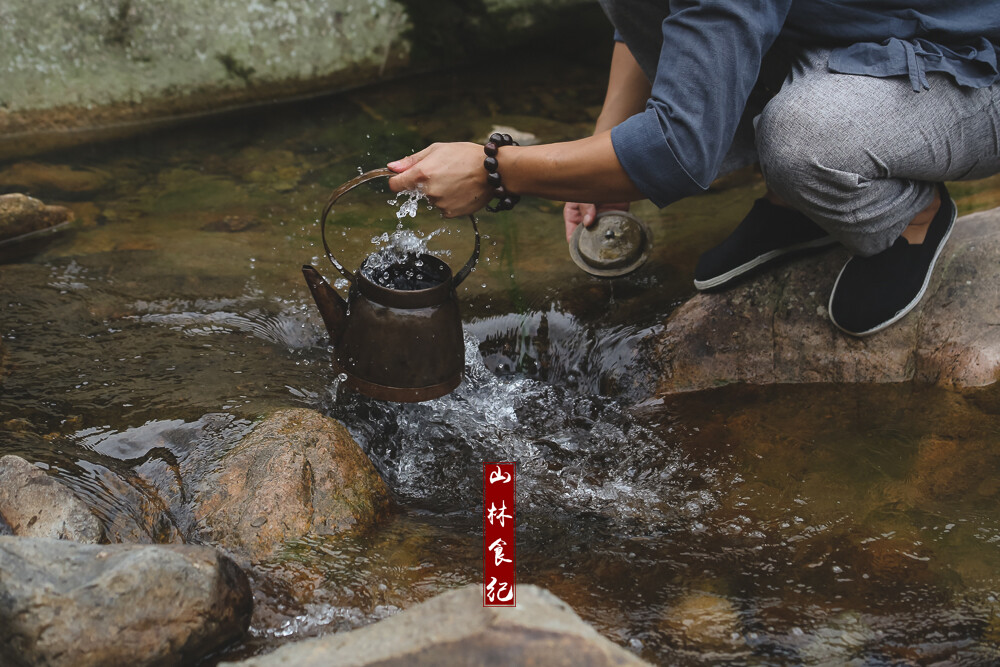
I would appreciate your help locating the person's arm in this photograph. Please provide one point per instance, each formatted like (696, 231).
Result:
(709, 62)
(454, 180)
(711, 56)
(628, 90)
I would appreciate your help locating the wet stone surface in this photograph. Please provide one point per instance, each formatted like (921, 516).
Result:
(21, 215)
(33, 504)
(61, 601)
(776, 329)
(297, 473)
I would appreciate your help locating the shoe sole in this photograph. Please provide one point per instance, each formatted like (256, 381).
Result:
(908, 307)
(724, 278)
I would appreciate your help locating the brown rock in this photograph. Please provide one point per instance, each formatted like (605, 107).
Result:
(775, 329)
(297, 472)
(35, 176)
(36, 505)
(705, 622)
(136, 513)
(67, 604)
(455, 629)
(20, 214)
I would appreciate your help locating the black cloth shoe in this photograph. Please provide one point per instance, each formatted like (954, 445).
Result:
(768, 233)
(873, 292)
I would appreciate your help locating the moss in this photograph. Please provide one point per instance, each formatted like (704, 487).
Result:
(235, 68)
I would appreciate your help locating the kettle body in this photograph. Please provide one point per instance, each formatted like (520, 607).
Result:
(398, 335)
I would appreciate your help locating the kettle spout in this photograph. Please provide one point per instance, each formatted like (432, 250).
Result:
(331, 305)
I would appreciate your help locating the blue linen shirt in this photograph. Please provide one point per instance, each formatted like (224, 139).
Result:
(712, 52)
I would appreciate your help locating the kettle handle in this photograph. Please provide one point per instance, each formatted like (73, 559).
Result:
(364, 178)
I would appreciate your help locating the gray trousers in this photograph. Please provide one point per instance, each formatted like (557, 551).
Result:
(858, 155)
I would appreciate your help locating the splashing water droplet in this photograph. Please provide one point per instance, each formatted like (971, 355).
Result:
(409, 206)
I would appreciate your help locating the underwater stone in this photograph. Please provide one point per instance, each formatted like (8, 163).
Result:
(35, 176)
(454, 629)
(705, 622)
(775, 328)
(20, 214)
(34, 504)
(300, 472)
(68, 604)
(231, 224)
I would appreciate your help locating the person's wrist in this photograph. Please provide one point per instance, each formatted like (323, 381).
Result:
(506, 200)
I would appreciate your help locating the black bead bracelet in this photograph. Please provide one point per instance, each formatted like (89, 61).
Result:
(506, 200)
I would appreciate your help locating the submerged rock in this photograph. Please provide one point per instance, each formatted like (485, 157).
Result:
(775, 329)
(136, 513)
(34, 504)
(35, 176)
(20, 214)
(296, 473)
(63, 603)
(705, 622)
(455, 629)
(231, 224)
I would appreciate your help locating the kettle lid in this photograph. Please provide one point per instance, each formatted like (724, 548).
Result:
(616, 243)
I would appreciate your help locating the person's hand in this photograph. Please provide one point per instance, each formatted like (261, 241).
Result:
(575, 213)
(450, 175)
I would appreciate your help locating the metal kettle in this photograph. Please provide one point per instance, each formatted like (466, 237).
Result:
(400, 338)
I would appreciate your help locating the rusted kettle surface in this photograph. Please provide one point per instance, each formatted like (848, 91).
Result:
(398, 341)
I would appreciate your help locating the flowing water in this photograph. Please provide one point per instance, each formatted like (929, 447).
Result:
(816, 525)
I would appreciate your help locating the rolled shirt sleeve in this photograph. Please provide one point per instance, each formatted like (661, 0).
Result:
(709, 61)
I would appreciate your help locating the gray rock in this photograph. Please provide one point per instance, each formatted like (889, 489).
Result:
(296, 473)
(20, 214)
(775, 329)
(99, 65)
(455, 629)
(63, 603)
(34, 504)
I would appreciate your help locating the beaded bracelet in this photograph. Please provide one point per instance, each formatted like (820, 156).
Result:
(507, 200)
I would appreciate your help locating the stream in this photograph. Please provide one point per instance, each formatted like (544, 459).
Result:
(815, 525)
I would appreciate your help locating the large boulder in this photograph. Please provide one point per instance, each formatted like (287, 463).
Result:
(35, 504)
(298, 472)
(456, 629)
(775, 329)
(104, 67)
(63, 603)
(20, 214)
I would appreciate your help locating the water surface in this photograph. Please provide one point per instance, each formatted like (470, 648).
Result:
(817, 525)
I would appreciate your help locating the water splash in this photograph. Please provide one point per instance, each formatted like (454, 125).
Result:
(399, 262)
(410, 204)
(576, 453)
